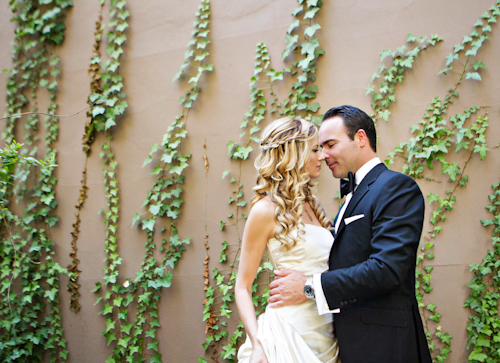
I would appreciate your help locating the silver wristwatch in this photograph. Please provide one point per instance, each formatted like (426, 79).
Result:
(309, 288)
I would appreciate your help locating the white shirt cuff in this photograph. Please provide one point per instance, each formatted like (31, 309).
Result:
(321, 303)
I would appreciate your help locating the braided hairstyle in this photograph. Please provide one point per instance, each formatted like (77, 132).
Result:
(283, 175)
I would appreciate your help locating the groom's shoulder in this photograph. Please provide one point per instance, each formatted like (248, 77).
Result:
(392, 176)
(388, 173)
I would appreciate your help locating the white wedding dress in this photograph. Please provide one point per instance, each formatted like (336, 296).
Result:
(298, 334)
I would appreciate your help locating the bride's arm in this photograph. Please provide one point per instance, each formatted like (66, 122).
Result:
(259, 228)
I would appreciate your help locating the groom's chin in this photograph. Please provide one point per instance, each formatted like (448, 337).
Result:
(334, 174)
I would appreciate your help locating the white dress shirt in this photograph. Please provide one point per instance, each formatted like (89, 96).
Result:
(318, 288)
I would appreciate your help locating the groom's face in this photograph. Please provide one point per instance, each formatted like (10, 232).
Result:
(339, 150)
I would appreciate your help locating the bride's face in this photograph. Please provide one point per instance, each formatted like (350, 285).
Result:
(315, 158)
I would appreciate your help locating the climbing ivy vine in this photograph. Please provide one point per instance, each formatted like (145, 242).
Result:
(389, 77)
(30, 324)
(135, 339)
(483, 326)
(30, 316)
(88, 139)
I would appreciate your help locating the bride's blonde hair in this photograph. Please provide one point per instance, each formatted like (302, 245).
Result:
(283, 175)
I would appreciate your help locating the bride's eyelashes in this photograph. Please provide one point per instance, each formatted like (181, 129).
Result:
(316, 148)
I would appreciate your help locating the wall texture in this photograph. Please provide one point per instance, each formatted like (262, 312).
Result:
(352, 35)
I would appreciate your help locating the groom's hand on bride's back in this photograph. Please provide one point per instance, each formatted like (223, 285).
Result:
(287, 288)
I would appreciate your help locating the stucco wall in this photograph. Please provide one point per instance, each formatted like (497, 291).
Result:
(352, 35)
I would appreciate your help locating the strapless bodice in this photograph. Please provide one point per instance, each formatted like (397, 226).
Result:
(309, 255)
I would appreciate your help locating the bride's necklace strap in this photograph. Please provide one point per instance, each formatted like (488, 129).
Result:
(309, 215)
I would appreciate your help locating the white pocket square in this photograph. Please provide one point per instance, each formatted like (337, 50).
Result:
(353, 218)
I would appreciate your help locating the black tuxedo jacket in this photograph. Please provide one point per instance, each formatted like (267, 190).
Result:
(372, 272)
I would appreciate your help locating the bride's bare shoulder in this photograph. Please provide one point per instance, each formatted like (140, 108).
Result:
(261, 219)
(264, 208)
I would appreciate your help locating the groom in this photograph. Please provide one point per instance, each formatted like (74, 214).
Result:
(370, 284)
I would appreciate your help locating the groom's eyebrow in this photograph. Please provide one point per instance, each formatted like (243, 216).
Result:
(327, 141)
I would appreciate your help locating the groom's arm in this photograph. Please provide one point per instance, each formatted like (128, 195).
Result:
(398, 212)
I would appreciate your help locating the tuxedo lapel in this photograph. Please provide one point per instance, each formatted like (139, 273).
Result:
(360, 192)
(336, 217)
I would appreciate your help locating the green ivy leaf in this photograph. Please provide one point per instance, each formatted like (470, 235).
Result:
(49, 14)
(311, 30)
(47, 198)
(177, 169)
(121, 27)
(110, 337)
(450, 58)
(107, 309)
(308, 48)
(314, 107)
(110, 324)
(161, 281)
(291, 40)
(98, 110)
(125, 328)
(153, 345)
(292, 26)
(310, 13)
(148, 224)
(473, 75)
(206, 67)
(411, 38)
(155, 209)
(51, 294)
(297, 10)
(123, 341)
(110, 123)
(242, 152)
(477, 355)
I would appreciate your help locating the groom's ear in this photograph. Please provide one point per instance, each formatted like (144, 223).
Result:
(361, 138)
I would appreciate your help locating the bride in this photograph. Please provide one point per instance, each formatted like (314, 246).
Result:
(286, 218)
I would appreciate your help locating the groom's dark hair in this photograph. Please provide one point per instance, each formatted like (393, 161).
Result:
(354, 120)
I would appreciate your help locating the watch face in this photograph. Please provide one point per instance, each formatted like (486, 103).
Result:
(308, 290)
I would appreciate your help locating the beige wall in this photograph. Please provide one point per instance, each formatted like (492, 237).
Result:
(352, 35)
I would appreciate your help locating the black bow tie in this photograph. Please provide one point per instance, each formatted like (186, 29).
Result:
(347, 185)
